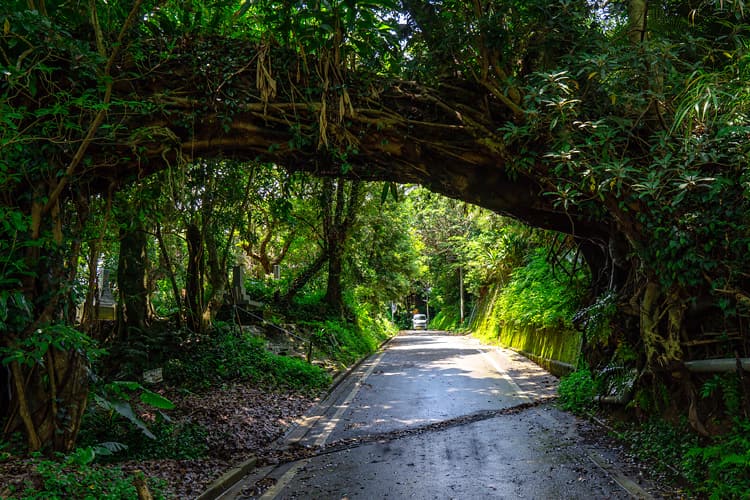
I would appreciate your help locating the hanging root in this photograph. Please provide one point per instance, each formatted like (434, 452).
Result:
(661, 351)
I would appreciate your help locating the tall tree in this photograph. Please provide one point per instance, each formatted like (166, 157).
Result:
(340, 209)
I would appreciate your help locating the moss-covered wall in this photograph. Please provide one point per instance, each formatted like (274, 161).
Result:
(555, 349)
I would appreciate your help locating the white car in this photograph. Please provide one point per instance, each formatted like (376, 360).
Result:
(419, 322)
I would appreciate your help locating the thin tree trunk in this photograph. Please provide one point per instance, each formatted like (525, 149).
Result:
(302, 279)
(87, 317)
(170, 274)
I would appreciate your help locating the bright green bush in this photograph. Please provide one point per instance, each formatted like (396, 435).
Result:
(297, 374)
(347, 341)
(577, 391)
(448, 318)
(537, 297)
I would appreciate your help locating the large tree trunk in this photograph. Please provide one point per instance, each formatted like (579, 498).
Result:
(132, 315)
(340, 211)
(334, 296)
(662, 343)
(194, 278)
(217, 275)
(49, 385)
(49, 400)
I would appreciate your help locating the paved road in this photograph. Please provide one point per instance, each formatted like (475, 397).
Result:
(435, 416)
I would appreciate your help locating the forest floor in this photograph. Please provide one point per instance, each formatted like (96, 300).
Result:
(240, 420)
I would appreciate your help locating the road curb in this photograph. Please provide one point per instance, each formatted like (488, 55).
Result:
(308, 419)
(228, 479)
(342, 375)
(232, 476)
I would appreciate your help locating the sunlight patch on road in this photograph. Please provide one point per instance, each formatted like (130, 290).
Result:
(331, 424)
(504, 375)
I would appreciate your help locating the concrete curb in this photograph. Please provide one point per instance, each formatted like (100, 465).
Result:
(236, 473)
(342, 375)
(228, 479)
(305, 421)
(555, 367)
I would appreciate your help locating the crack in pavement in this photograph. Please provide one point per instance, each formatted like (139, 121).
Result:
(296, 451)
(300, 454)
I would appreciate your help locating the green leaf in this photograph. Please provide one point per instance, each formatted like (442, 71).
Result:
(124, 409)
(126, 384)
(156, 400)
(82, 456)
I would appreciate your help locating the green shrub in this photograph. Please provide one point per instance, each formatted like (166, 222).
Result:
(728, 385)
(114, 422)
(230, 354)
(722, 469)
(577, 391)
(537, 297)
(347, 342)
(74, 476)
(178, 440)
(449, 319)
(297, 374)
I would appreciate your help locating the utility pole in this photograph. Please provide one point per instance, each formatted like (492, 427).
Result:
(427, 303)
(461, 288)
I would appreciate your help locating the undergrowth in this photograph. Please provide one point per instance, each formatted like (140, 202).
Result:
(721, 468)
(74, 476)
(577, 391)
(715, 468)
(230, 354)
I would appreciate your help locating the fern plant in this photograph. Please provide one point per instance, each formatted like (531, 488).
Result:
(723, 469)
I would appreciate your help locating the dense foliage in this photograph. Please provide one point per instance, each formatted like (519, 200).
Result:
(145, 139)
(535, 297)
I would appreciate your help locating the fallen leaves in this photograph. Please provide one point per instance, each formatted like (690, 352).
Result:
(240, 420)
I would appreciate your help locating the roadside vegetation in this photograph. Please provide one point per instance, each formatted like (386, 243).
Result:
(129, 422)
(713, 466)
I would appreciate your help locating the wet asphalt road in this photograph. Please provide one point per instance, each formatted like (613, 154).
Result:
(434, 416)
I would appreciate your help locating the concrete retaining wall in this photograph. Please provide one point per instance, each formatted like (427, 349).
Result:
(556, 350)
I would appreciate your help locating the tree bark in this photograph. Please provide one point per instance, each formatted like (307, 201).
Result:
(132, 315)
(217, 275)
(340, 215)
(194, 278)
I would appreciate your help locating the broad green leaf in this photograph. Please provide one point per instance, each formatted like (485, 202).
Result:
(156, 400)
